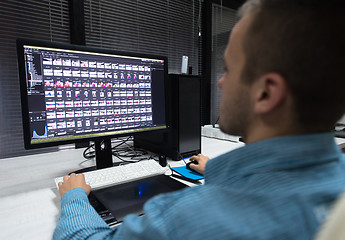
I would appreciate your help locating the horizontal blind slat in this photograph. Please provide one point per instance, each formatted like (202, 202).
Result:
(48, 20)
(152, 27)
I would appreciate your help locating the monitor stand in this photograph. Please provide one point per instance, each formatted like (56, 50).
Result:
(104, 157)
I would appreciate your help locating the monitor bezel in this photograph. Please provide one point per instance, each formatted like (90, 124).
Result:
(24, 95)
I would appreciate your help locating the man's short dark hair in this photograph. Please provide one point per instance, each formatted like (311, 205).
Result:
(304, 41)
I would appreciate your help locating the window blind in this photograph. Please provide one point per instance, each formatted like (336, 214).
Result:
(160, 27)
(41, 20)
(163, 27)
(223, 20)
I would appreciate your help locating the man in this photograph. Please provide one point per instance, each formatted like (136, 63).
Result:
(283, 91)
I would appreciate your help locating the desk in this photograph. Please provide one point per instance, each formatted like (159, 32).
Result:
(29, 200)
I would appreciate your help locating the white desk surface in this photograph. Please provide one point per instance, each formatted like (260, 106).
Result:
(29, 200)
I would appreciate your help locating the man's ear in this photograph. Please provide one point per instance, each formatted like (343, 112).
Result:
(269, 92)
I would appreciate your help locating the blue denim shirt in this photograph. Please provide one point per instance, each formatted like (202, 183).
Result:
(279, 188)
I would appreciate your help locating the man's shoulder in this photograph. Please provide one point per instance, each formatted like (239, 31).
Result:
(233, 212)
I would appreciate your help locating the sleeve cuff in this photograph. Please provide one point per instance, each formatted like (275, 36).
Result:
(74, 194)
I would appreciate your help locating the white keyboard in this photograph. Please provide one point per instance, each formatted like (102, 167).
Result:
(120, 174)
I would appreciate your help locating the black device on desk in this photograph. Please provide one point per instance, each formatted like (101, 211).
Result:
(114, 203)
(183, 138)
(189, 163)
(72, 93)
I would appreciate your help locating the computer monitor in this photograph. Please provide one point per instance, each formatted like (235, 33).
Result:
(73, 93)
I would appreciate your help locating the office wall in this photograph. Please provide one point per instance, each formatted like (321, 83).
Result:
(161, 27)
(43, 20)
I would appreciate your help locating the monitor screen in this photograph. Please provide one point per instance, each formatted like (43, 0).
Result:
(74, 93)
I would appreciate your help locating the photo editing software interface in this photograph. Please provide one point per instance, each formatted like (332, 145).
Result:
(78, 94)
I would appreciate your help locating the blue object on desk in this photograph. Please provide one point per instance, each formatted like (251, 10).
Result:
(184, 171)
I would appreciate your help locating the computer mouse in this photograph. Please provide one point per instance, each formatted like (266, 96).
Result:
(188, 167)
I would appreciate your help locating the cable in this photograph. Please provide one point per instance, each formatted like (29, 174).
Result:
(181, 157)
(172, 172)
(89, 154)
(123, 150)
(214, 125)
(130, 152)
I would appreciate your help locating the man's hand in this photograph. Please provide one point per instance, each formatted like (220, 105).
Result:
(202, 160)
(73, 181)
